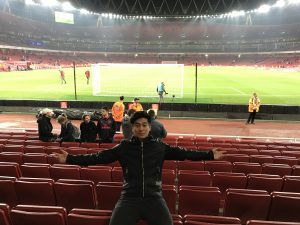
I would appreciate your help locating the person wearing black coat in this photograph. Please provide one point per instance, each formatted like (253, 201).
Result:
(106, 126)
(67, 129)
(45, 127)
(142, 160)
(88, 129)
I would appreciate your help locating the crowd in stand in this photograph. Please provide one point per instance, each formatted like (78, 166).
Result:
(107, 125)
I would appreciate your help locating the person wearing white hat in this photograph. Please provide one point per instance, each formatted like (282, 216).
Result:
(44, 125)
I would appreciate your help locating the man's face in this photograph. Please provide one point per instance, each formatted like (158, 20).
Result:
(87, 119)
(49, 114)
(104, 113)
(141, 128)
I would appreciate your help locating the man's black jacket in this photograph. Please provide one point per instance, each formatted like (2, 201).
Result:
(141, 162)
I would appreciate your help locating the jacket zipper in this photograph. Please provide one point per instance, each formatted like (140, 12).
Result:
(142, 145)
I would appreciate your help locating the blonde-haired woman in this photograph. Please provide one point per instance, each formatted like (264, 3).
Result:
(67, 129)
(253, 108)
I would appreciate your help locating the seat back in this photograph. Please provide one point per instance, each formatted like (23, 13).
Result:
(64, 172)
(276, 169)
(75, 194)
(27, 192)
(101, 174)
(241, 167)
(199, 200)
(7, 189)
(291, 184)
(264, 182)
(35, 170)
(285, 207)
(108, 193)
(218, 166)
(247, 204)
(194, 178)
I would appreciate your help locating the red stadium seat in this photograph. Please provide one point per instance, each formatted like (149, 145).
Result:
(205, 219)
(270, 152)
(35, 170)
(27, 192)
(108, 193)
(16, 157)
(70, 144)
(75, 194)
(225, 180)
(291, 184)
(247, 204)
(237, 158)
(4, 214)
(117, 174)
(194, 178)
(170, 165)
(76, 151)
(65, 172)
(10, 169)
(296, 170)
(37, 215)
(34, 149)
(35, 158)
(191, 165)
(168, 177)
(285, 207)
(261, 159)
(96, 174)
(264, 182)
(7, 189)
(218, 166)
(276, 169)
(263, 222)
(241, 167)
(169, 194)
(286, 160)
(199, 200)
(13, 148)
(89, 145)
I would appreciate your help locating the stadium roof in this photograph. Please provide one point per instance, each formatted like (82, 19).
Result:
(167, 7)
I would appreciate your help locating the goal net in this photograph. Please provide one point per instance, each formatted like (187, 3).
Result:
(110, 79)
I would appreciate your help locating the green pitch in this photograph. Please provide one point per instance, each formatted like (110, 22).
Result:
(229, 85)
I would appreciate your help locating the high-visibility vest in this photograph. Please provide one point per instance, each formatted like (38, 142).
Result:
(254, 104)
(118, 111)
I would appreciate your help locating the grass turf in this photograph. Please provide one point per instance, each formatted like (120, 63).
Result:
(228, 85)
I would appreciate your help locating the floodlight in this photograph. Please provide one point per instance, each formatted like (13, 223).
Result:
(237, 13)
(263, 9)
(30, 2)
(294, 1)
(67, 6)
(49, 3)
(279, 4)
(84, 11)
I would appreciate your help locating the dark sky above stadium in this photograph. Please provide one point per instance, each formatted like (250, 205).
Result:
(168, 7)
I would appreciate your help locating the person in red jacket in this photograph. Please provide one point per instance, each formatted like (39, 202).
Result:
(62, 77)
(87, 75)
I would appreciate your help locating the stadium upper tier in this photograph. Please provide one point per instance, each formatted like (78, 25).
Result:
(36, 28)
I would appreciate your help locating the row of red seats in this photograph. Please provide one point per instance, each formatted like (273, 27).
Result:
(242, 203)
(186, 141)
(49, 215)
(211, 166)
(223, 180)
(264, 156)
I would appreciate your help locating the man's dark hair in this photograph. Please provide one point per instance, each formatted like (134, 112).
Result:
(139, 115)
(151, 113)
(122, 98)
(105, 108)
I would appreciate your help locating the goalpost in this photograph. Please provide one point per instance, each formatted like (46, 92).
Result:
(111, 79)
